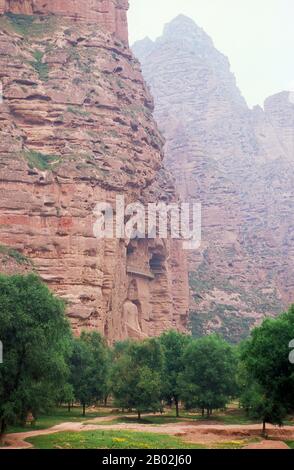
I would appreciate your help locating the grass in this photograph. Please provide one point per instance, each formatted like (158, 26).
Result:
(152, 419)
(77, 111)
(40, 67)
(237, 417)
(234, 416)
(21, 23)
(288, 422)
(41, 161)
(29, 25)
(14, 254)
(236, 444)
(110, 440)
(58, 416)
(290, 444)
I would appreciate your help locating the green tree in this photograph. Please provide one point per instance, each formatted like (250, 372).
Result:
(136, 376)
(89, 368)
(119, 348)
(209, 377)
(258, 405)
(267, 373)
(36, 341)
(66, 395)
(173, 346)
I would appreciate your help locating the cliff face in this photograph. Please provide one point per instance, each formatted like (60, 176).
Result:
(110, 15)
(77, 129)
(239, 164)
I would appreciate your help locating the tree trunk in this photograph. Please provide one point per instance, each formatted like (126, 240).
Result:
(177, 407)
(2, 427)
(139, 415)
(84, 409)
(207, 412)
(105, 400)
(264, 428)
(203, 411)
(69, 407)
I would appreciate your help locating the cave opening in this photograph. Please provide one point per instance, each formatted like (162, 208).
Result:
(130, 249)
(156, 263)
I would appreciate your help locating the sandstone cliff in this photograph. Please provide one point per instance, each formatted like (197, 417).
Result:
(76, 129)
(239, 164)
(110, 15)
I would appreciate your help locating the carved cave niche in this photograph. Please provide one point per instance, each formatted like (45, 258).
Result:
(157, 263)
(132, 307)
(134, 297)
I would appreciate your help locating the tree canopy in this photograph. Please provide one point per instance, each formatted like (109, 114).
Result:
(44, 365)
(208, 380)
(137, 376)
(173, 346)
(36, 341)
(267, 377)
(89, 368)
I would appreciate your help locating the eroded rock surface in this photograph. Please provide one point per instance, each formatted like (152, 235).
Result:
(239, 164)
(109, 15)
(77, 129)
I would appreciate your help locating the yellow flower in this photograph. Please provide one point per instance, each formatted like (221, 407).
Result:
(143, 445)
(235, 443)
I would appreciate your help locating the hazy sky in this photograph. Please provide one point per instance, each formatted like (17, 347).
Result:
(256, 35)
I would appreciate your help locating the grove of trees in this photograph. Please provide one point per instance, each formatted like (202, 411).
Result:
(36, 341)
(89, 368)
(137, 378)
(266, 374)
(208, 380)
(44, 365)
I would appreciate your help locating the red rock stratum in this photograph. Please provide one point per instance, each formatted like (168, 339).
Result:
(76, 129)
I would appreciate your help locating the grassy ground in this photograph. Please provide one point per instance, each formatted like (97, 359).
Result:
(58, 416)
(290, 444)
(61, 415)
(150, 419)
(236, 444)
(289, 421)
(110, 440)
(231, 417)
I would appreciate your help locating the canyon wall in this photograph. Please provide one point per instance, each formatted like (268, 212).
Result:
(110, 15)
(77, 129)
(238, 163)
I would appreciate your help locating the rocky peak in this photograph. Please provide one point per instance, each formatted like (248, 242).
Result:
(281, 109)
(184, 28)
(143, 47)
(191, 53)
(239, 164)
(279, 113)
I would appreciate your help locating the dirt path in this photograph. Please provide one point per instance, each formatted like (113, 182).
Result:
(192, 432)
(17, 440)
(268, 445)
